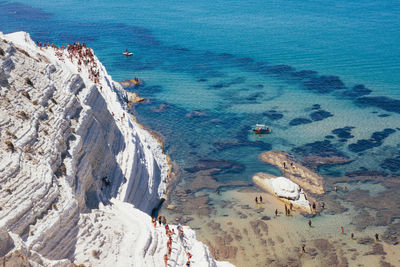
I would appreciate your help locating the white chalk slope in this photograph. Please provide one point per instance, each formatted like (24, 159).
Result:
(61, 138)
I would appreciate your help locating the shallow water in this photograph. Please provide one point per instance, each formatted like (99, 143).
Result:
(213, 69)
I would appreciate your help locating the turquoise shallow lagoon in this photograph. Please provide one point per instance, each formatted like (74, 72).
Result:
(324, 75)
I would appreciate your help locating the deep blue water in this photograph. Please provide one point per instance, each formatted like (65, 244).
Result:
(324, 75)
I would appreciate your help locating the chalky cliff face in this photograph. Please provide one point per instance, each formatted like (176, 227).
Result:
(72, 163)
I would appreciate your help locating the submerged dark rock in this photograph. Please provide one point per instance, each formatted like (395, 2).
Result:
(344, 132)
(382, 102)
(365, 172)
(255, 96)
(357, 91)
(320, 115)
(224, 84)
(222, 166)
(316, 106)
(262, 145)
(280, 69)
(273, 114)
(298, 121)
(319, 148)
(383, 115)
(391, 164)
(303, 74)
(265, 218)
(375, 141)
(324, 84)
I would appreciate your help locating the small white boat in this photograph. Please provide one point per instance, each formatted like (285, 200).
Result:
(126, 53)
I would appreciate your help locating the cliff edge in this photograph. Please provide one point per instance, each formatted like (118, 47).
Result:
(78, 175)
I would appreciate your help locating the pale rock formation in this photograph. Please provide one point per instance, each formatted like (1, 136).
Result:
(284, 189)
(78, 175)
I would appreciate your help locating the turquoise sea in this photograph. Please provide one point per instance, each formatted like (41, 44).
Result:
(325, 75)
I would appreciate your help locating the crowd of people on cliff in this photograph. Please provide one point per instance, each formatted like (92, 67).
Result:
(79, 53)
(162, 222)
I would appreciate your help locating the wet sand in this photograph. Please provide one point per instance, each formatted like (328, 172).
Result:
(227, 219)
(237, 230)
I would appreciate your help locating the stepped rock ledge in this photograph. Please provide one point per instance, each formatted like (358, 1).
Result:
(78, 176)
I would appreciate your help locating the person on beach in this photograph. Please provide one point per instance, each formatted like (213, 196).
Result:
(261, 199)
(256, 200)
(335, 188)
(291, 206)
(188, 263)
(309, 223)
(376, 237)
(342, 229)
(276, 212)
(352, 235)
(323, 205)
(303, 248)
(159, 220)
(284, 165)
(164, 221)
(166, 260)
(286, 210)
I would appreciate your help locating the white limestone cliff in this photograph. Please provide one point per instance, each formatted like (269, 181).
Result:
(78, 175)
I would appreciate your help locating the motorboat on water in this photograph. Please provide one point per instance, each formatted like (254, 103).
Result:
(126, 53)
(261, 129)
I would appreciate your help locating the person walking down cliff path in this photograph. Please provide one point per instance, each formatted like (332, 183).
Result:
(166, 260)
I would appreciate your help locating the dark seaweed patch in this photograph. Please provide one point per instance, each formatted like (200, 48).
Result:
(220, 146)
(304, 74)
(364, 172)
(380, 136)
(202, 80)
(375, 141)
(382, 102)
(298, 121)
(319, 148)
(255, 96)
(344, 133)
(320, 115)
(221, 166)
(391, 164)
(324, 84)
(280, 69)
(316, 106)
(273, 114)
(383, 115)
(229, 83)
(329, 137)
(357, 91)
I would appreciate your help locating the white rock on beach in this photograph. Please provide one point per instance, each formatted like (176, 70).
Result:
(282, 187)
(78, 175)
